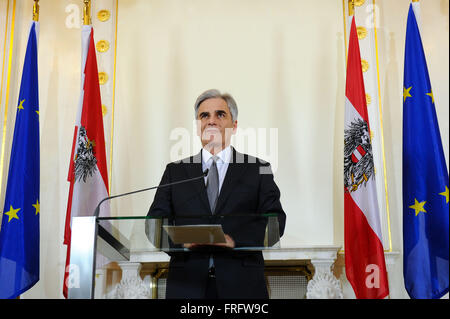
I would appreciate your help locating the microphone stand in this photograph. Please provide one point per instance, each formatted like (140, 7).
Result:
(97, 209)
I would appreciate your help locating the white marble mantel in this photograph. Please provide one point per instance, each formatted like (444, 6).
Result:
(320, 259)
(303, 253)
(293, 253)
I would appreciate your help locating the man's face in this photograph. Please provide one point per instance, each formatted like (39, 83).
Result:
(215, 124)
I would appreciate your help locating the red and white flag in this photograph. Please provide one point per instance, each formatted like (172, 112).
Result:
(364, 256)
(87, 171)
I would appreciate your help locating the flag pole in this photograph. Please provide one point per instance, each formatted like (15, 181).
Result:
(36, 11)
(87, 12)
(35, 19)
(351, 7)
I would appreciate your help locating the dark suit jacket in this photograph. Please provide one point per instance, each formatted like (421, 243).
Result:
(248, 189)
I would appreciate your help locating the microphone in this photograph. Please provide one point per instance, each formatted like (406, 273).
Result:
(97, 209)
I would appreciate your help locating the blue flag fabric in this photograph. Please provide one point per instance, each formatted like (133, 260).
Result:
(425, 179)
(19, 233)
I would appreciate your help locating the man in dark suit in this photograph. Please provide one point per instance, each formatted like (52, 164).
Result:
(238, 189)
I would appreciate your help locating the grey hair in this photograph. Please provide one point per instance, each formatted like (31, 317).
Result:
(213, 93)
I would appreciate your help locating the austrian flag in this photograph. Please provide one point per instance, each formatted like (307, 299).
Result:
(364, 257)
(87, 169)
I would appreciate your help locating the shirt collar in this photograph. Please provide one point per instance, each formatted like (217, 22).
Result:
(224, 155)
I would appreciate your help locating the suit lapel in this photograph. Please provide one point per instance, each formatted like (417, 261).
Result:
(234, 172)
(194, 169)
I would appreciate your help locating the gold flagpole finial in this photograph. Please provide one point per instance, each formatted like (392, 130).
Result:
(36, 10)
(351, 7)
(87, 12)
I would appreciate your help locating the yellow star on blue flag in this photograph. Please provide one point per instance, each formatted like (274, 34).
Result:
(418, 207)
(19, 233)
(12, 213)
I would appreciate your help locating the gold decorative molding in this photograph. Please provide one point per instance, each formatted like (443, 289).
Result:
(362, 32)
(116, 13)
(382, 131)
(368, 99)
(104, 109)
(359, 3)
(103, 15)
(102, 77)
(364, 65)
(102, 46)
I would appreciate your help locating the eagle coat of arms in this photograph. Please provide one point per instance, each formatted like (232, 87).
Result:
(358, 157)
(85, 160)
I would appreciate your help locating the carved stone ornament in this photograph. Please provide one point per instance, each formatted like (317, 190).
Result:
(131, 288)
(324, 285)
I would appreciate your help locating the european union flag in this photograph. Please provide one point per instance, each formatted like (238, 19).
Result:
(19, 235)
(425, 179)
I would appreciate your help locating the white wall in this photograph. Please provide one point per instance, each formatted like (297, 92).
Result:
(283, 61)
(265, 56)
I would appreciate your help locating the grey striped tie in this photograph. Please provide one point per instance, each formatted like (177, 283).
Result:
(212, 184)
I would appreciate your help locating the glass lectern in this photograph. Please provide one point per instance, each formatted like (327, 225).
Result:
(118, 238)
